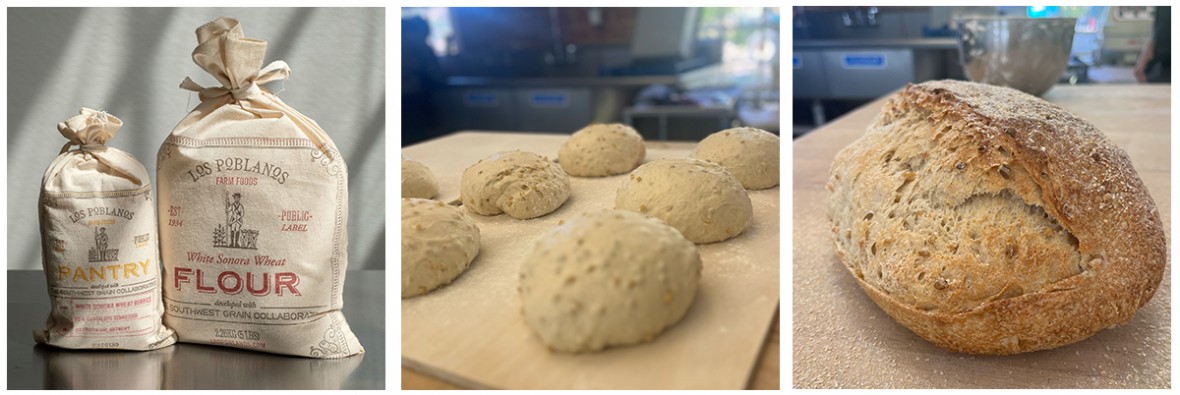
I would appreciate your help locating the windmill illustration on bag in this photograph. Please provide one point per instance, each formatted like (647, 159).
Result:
(230, 234)
(100, 252)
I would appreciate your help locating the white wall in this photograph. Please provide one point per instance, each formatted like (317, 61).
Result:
(130, 62)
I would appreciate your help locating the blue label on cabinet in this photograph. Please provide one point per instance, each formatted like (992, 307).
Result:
(480, 99)
(796, 63)
(549, 99)
(868, 60)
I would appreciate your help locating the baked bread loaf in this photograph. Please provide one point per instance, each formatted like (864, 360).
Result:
(989, 221)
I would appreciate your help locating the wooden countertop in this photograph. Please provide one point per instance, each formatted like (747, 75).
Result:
(841, 339)
(765, 376)
(722, 343)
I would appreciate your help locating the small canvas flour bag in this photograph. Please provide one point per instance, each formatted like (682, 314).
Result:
(98, 242)
(253, 212)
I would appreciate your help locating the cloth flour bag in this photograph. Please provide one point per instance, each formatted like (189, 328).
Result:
(98, 244)
(253, 212)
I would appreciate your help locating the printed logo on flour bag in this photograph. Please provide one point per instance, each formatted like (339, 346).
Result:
(101, 273)
(238, 164)
(232, 235)
(98, 229)
(100, 252)
(236, 231)
(253, 202)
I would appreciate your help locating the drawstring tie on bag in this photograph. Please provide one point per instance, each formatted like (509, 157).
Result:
(90, 130)
(92, 147)
(236, 62)
(275, 71)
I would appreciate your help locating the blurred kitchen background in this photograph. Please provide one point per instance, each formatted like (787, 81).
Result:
(672, 73)
(844, 57)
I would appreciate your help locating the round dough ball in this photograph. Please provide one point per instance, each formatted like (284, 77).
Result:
(438, 243)
(749, 154)
(522, 184)
(417, 180)
(602, 150)
(701, 199)
(607, 278)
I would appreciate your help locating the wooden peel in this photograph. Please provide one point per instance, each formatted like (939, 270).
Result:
(467, 332)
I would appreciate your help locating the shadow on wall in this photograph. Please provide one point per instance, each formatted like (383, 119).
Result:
(40, 52)
(130, 61)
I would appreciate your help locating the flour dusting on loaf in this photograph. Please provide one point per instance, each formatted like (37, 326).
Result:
(989, 221)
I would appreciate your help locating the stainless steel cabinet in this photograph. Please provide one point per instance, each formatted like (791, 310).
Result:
(476, 108)
(561, 110)
(808, 70)
(867, 73)
(553, 109)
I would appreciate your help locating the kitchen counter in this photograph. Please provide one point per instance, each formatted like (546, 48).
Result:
(192, 366)
(534, 82)
(842, 339)
(536, 103)
(914, 43)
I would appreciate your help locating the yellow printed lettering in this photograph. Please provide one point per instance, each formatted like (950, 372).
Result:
(97, 272)
(91, 274)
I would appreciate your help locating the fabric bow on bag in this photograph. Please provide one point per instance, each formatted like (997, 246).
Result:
(277, 70)
(226, 54)
(90, 130)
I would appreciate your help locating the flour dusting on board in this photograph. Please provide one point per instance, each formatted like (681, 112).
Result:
(472, 329)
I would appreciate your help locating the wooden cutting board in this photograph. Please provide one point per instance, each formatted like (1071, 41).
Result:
(471, 333)
(841, 339)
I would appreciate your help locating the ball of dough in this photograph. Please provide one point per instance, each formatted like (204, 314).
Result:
(701, 199)
(602, 150)
(438, 243)
(417, 180)
(607, 278)
(522, 184)
(749, 154)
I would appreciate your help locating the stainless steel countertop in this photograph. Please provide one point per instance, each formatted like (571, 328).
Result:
(542, 82)
(192, 366)
(845, 43)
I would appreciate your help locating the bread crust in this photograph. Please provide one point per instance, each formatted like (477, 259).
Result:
(970, 140)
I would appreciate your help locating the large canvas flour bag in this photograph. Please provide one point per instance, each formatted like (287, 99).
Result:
(253, 211)
(98, 242)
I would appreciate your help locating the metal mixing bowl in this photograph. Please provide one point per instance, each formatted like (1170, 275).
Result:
(1026, 54)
